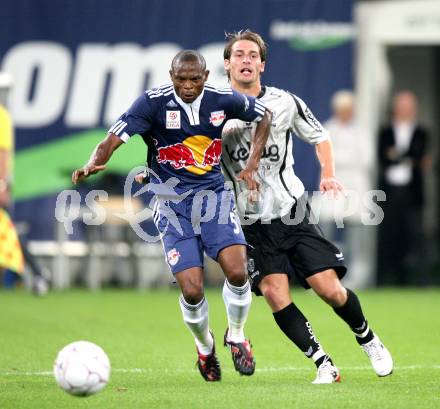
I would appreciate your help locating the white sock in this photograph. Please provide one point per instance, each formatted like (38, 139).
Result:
(238, 301)
(196, 318)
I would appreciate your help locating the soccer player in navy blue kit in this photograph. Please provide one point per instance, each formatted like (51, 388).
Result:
(185, 121)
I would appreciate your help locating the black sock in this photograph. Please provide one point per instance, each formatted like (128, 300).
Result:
(351, 313)
(293, 323)
(319, 361)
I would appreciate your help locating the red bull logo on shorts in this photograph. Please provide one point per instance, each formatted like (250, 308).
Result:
(197, 154)
(173, 257)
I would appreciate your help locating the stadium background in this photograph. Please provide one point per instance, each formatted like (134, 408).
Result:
(78, 64)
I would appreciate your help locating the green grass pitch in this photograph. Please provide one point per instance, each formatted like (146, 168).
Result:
(153, 354)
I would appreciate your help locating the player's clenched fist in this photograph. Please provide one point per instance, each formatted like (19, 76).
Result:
(80, 174)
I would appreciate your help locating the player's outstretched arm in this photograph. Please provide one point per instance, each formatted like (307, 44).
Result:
(329, 183)
(258, 143)
(99, 157)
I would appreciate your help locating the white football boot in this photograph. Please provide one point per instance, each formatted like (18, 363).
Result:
(380, 357)
(327, 373)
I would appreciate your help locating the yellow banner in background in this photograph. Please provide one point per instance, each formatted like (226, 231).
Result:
(11, 256)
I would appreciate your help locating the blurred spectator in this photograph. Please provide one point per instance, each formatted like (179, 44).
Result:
(403, 160)
(6, 142)
(11, 251)
(351, 163)
(11, 258)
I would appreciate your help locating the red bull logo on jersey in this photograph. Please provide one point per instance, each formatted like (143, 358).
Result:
(217, 118)
(196, 154)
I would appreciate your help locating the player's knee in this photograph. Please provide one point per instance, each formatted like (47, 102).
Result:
(275, 295)
(271, 292)
(276, 299)
(336, 296)
(237, 275)
(192, 293)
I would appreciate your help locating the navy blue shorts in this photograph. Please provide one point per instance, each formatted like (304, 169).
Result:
(202, 223)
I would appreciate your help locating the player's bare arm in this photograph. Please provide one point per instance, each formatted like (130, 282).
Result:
(99, 157)
(256, 150)
(329, 183)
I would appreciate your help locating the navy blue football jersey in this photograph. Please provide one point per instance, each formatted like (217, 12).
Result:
(186, 137)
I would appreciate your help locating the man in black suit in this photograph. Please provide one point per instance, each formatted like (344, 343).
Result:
(403, 160)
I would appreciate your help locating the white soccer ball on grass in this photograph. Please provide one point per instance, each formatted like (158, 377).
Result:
(82, 368)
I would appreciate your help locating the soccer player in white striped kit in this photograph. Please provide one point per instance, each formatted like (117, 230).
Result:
(271, 226)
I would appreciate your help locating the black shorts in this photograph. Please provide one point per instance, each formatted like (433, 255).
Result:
(294, 249)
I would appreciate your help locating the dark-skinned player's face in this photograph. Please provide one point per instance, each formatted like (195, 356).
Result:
(188, 79)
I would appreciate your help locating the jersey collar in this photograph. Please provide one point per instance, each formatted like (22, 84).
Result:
(194, 105)
(262, 92)
(193, 109)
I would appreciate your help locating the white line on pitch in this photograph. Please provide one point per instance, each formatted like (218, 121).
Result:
(266, 369)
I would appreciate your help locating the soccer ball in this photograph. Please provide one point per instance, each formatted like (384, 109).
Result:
(82, 368)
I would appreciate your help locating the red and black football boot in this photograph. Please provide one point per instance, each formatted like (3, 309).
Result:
(209, 366)
(242, 355)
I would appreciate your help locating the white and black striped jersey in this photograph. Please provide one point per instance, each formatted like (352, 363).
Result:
(279, 186)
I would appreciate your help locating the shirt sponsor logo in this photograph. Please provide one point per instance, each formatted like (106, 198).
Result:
(241, 153)
(217, 118)
(173, 120)
(197, 154)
